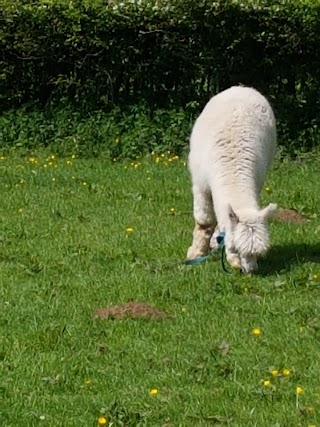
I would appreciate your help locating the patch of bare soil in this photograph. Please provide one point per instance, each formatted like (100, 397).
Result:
(132, 310)
(289, 215)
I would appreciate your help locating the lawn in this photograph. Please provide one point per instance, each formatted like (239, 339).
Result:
(78, 235)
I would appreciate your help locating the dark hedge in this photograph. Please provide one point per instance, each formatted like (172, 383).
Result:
(98, 54)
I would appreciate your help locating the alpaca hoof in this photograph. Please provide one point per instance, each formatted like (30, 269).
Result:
(234, 261)
(194, 253)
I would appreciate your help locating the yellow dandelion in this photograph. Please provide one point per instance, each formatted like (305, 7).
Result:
(312, 425)
(315, 277)
(117, 140)
(136, 165)
(274, 372)
(2, 157)
(20, 210)
(69, 162)
(45, 166)
(53, 179)
(256, 331)
(158, 159)
(299, 390)
(22, 181)
(84, 184)
(102, 421)
(154, 392)
(267, 189)
(129, 230)
(53, 157)
(162, 155)
(172, 210)
(286, 372)
(73, 177)
(73, 156)
(50, 163)
(148, 179)
(266, 383)
(245, 289)
(183, 309)
(87, 382)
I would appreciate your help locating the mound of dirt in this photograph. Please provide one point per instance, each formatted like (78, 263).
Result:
(289, 215)
(132, 310)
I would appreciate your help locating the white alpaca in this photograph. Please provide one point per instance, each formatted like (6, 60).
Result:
(232, 146)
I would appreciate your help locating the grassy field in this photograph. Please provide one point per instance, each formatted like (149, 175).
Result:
(79, 235)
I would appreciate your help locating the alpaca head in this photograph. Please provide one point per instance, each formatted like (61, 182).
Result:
(248, 235)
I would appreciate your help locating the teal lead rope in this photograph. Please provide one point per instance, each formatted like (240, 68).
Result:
(220, 241)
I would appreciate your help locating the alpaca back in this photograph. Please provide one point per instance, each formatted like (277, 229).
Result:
(233, 142)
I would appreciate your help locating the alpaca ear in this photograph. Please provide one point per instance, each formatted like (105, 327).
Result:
(268, 210)
(232, 216)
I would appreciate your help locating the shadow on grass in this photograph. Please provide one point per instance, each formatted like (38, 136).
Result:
(281, 258)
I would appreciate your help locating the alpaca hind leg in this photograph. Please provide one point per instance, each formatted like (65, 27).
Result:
(205, 223)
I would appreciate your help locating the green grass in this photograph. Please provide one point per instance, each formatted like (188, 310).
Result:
(65, 252)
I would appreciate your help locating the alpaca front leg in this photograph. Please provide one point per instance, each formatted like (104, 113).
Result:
(233, 258)
(201, 241)
(214, 245)
(205, 223)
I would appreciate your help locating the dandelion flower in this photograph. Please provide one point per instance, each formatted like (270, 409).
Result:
(286, 372)
(129, 230)
(183, 310)
(102, 421)
(2, 157)
(20, 210)
(69, 162)
(266, 383)
(256, 331)
(84, 184)
(154, 392)
(274, 372)
(73, 156)
(148, 179)
(53, 179)
(299, 390)
(87, 382)
(315, 277)
(267, 189)
(172, 210)
(42, 417)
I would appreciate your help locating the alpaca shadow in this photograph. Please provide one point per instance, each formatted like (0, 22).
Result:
(281, 258)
